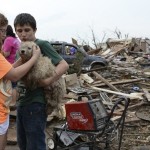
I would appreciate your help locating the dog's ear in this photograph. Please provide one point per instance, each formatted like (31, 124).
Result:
(34, 45)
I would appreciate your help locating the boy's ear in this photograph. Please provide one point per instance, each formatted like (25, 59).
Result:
(35, 30)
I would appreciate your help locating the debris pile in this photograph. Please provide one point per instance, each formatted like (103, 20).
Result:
(127, 75)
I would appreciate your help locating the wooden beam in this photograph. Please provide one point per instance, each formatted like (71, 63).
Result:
(105, 81)
(147, 94)
(131, 95)
(119, 82)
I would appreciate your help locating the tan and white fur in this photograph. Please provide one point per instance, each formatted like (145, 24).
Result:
(42, 69)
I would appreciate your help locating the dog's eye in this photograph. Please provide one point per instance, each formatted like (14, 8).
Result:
(29, 48)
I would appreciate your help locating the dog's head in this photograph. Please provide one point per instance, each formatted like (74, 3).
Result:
(26, 50)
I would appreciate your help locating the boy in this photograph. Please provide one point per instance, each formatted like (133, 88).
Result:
(31, 109)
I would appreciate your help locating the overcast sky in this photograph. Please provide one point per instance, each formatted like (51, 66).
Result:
(63, 19)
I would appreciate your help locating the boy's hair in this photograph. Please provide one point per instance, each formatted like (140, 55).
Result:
(3, 20)
(25, 19)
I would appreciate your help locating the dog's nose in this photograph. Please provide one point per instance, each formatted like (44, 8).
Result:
(22, 51)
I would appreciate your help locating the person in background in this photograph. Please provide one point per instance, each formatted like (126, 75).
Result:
(11, 45)
(10, 72)
(9, 49)
(72, 51)
(31, 108)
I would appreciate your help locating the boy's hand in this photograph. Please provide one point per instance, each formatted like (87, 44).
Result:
(42, 83)
(36, 51)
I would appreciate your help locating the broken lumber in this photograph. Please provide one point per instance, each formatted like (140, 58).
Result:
(86, 78)
(119, 82)
(105, 81)
(131, 95)
(147, 94)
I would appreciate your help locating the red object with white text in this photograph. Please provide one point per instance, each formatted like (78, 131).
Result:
(89, 115)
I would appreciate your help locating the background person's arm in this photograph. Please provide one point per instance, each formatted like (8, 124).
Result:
(6, 54)
(7, 46)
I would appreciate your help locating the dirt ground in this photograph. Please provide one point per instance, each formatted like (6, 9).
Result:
(12, 140)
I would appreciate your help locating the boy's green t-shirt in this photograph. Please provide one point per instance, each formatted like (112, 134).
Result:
(26, 96)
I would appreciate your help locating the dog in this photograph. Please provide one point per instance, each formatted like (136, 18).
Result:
(42, 69)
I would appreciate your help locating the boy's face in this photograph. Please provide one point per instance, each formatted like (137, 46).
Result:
(25, 33)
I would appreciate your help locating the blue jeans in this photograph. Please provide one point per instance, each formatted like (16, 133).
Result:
(31, 123)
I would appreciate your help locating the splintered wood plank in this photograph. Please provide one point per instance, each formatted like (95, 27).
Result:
(131, 95)
(105, 81)
(147, 94)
